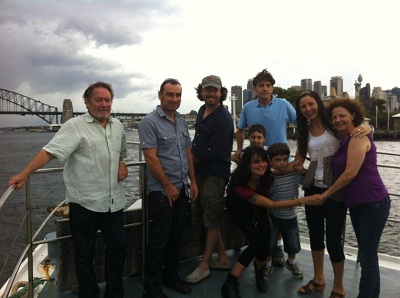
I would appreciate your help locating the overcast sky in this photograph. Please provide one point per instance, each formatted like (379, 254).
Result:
(51, 50)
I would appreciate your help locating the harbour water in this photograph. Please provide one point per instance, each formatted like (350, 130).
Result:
(18, 148)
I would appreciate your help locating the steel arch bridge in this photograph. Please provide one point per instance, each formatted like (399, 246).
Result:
(15, 103)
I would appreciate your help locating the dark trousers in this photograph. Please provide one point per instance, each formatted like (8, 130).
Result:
(254, 224)
(326, 220)
(84, 225)
(368, 221)
(165, 238)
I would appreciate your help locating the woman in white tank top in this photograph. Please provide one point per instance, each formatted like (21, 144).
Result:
(319, 140)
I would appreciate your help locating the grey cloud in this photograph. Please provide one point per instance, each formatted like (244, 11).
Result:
(42, 43)
(102, 33)
(111, 23)
(57, 72)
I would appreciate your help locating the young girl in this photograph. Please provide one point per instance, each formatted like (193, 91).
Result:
(247, 204)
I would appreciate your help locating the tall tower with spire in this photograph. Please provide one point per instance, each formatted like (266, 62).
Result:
(357, 86)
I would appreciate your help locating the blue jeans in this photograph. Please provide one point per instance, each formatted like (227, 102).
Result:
(84, 225)
(290, 235)
(368, 222)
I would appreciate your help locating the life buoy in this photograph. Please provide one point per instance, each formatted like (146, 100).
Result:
(19, 290)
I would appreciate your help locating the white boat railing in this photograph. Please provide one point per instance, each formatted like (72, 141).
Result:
(380, 165)
(31, 243)
(145, 220)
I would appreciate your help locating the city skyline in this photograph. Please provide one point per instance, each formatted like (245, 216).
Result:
(243, 95)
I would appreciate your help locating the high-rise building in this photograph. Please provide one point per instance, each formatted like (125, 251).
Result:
(248, 93)
(378, 93)
(250, 84)
(250, 87)
(365, 96)
(237, 92)
(318, 88)
(306, 84)
(396, 91)
(324, 90)
(392, 103)
(337, 83)
(247, 96)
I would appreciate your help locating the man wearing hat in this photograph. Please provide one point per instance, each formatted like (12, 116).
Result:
(211, 150)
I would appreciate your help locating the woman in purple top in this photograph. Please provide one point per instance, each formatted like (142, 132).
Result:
(361, 188)
(319, 140)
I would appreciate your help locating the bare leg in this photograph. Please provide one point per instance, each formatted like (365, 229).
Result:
(222, 256)
(318, 260)
(213, 241)
(338, 269)
(237, 270)
(278, 258)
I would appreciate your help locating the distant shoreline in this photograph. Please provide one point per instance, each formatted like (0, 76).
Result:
(379, 135)
(386, 136)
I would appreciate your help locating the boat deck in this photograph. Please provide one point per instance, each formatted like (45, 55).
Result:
(281, 283)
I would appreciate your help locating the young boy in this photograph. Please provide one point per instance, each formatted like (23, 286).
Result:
(256, 138)
(288, 177)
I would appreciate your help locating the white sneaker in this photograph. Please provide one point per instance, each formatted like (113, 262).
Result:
(197, 276)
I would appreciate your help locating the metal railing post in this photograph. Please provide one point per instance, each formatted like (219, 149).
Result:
(29, 236)
(145, 215)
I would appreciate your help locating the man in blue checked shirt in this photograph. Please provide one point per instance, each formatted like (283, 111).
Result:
(166, 145)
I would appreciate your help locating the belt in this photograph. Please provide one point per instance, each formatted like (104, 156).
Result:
(320, 183)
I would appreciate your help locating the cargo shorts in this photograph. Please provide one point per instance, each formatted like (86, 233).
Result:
(212, 199)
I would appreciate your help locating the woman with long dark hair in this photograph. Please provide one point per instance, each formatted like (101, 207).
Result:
(247, 203)
(320, 140)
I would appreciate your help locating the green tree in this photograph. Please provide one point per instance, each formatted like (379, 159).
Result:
(290, 94)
